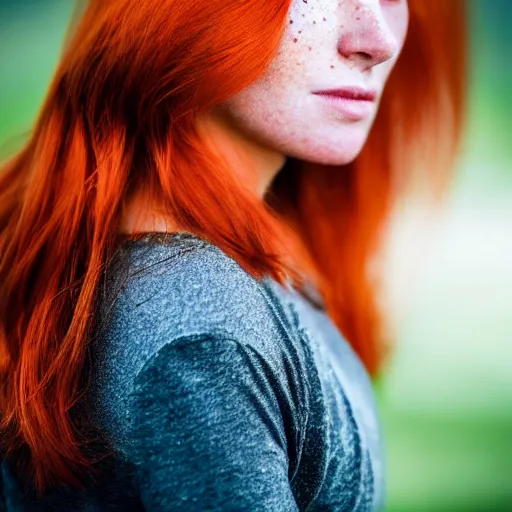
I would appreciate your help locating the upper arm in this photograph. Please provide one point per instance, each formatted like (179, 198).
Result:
(207, 431)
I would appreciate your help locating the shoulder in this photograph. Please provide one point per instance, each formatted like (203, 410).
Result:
(188, 294)
(159, 290)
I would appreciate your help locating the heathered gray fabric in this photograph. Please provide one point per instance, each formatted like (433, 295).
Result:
(222, 393)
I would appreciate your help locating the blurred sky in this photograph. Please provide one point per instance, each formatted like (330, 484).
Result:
(446, 400)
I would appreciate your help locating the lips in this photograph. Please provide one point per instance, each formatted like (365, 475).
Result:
(351, 93)
(349, 103)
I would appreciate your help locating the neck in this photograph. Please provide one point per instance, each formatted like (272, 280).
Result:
(242, 153)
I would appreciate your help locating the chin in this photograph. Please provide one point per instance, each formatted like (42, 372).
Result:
(342, 151)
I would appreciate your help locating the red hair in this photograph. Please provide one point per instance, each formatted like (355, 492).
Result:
(119, 116)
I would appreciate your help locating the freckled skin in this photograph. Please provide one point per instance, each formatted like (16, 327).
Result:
(327, 44)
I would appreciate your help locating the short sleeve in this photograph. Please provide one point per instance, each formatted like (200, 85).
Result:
(206, 430)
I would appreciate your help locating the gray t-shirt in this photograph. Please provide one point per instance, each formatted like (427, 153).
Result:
(219, 392)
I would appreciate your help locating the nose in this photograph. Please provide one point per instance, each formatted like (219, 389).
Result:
(367, 39)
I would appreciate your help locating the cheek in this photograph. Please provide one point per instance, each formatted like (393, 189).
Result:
(309, 23)
(305, 50)
(301, 16)
(398, 22)
(285, 83)
(262, 110)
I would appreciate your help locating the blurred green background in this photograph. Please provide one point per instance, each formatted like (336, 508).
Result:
(446, 400)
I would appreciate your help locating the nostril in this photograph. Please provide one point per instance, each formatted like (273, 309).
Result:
(365, 56)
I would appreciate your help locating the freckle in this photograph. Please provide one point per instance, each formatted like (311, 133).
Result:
(325, 19)
(314, 22)
(332, 67)
(295, 39)
(300, 31)
(358, 7)
(291, 21)
(309, 48)
(358, 19)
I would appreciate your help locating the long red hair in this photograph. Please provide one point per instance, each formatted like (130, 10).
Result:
(119, 116)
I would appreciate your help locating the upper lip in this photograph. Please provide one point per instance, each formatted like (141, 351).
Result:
(355, 93)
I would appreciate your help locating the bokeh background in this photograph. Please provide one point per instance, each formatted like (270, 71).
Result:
(446, 399)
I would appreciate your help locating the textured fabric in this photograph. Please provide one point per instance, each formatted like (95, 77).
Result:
(220, 393)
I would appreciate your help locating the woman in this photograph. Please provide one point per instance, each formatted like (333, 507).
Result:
(188, 321)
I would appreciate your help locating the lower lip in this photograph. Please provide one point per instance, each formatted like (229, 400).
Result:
(349, 108)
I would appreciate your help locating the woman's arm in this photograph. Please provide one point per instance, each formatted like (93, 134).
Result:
(207, 432)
